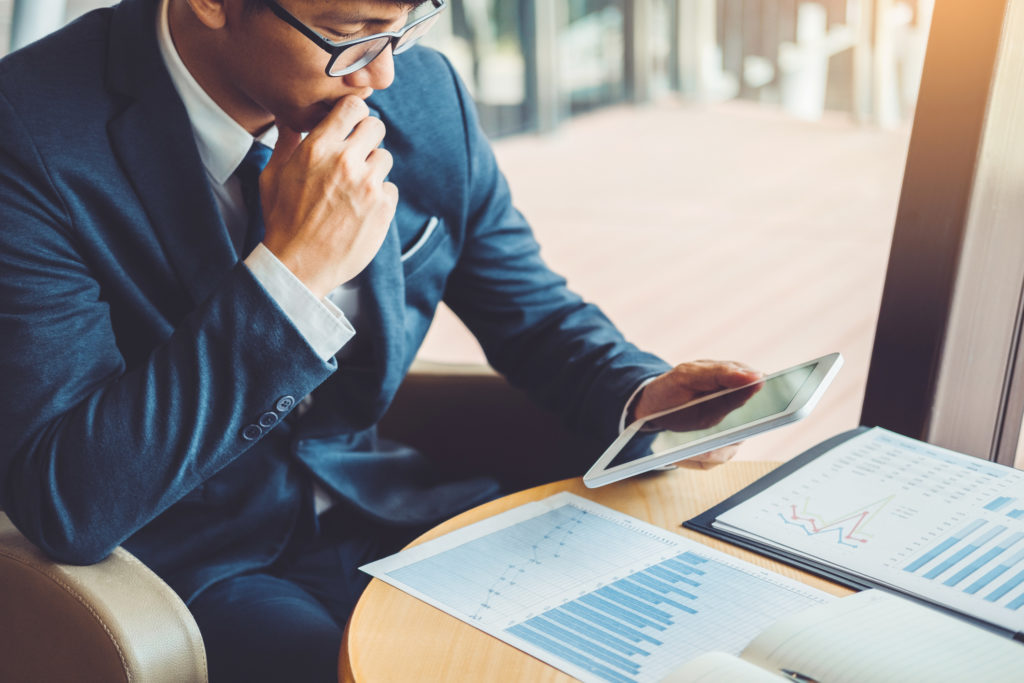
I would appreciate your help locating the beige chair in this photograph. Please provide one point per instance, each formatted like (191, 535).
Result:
(117, 621)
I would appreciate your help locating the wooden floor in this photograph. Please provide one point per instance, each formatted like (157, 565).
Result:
(724, 231)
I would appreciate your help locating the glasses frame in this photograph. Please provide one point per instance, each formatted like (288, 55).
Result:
(334, 49)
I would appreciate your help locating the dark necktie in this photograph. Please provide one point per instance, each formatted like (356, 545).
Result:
(249, 173)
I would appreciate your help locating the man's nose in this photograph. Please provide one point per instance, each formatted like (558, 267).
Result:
(377, 75)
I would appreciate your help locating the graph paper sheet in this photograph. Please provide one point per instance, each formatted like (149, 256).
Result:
(598, 594)
(908, 515)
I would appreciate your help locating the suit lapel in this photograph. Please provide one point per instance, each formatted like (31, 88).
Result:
(153, 140)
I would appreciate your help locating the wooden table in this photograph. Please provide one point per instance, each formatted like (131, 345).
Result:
(392, 636)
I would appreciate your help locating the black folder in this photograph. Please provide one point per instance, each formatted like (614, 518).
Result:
(704, 524)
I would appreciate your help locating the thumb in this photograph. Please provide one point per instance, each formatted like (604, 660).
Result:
(288, 140)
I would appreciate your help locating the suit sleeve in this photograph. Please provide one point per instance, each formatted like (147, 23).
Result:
(562, 350)
(91, 449)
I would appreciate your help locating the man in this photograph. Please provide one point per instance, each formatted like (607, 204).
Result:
(195, 362)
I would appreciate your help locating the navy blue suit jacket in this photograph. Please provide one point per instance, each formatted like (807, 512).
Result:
(137, 351)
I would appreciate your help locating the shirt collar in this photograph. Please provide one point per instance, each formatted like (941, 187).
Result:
(222, 141)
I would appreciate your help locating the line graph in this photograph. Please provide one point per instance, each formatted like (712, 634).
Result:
(848, 527)
(548, 546)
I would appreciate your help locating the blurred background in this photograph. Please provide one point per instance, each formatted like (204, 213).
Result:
(721, 176)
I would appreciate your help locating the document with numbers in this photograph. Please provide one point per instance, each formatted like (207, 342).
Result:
(593, 592)
(885, 510)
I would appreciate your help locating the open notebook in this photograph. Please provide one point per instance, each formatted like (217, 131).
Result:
(865, 637)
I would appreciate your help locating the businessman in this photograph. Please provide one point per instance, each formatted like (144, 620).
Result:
(197, 340)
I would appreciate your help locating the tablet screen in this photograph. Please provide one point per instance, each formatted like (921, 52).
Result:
(707, 418)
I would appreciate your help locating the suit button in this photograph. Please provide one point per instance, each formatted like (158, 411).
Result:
(284, 404)
(251, 433)
(268, 420)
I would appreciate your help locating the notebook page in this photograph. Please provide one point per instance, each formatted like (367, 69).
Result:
(719, 667)
(876, 636)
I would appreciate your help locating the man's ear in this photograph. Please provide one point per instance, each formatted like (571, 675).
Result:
(211, 13)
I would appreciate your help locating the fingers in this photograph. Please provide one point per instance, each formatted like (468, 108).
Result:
(688, 381)
(710, 375)
(367, 136)
(347, 113)
(327, 205)
(706, 414)
(716, 457)
(348, 130)
(390, 192)
(380, 163)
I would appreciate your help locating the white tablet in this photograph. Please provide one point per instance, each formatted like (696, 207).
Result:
(715, 420)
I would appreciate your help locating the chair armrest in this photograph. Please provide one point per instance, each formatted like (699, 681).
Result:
(112, 621)
(467, 417)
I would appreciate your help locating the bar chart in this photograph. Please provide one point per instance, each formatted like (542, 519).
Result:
(640, 626)
(1004, 502)
(599, 595)
(982, 551)
(999, 503)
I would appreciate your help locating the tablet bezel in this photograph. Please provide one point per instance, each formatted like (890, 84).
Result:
(806, 398)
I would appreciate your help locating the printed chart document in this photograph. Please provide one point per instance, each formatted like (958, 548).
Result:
(598, 594)
(904, 515)
(865, 637)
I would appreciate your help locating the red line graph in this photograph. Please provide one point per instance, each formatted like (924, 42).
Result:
(848, 527)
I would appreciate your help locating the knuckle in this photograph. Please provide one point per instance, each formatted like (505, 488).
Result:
(374, 125)
(348, 165)
(383, 158)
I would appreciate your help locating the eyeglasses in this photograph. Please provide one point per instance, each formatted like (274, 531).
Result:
(352, 55)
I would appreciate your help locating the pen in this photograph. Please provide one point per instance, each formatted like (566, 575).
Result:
(797, 676)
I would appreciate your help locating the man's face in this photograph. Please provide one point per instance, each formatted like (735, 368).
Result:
(281, 72)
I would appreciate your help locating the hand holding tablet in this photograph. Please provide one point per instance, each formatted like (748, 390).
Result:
(715, 420)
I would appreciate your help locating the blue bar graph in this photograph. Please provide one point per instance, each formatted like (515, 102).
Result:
(683, 568)
(1006, 587)
(999, 503)
(1017, 602)
(964, 552)
(569, 654)
(608, 623)
(618, 644)
(1016, 514)
(604, 630)
(664, 573)
(992, 554)
(994, 573)
(612, 631)
(657, 584)
(594, 596)
(945, 545)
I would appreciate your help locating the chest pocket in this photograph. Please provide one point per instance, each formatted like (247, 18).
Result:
(430, 235)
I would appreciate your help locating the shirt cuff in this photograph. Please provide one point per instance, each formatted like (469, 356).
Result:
(629, 402)
(323, 325)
